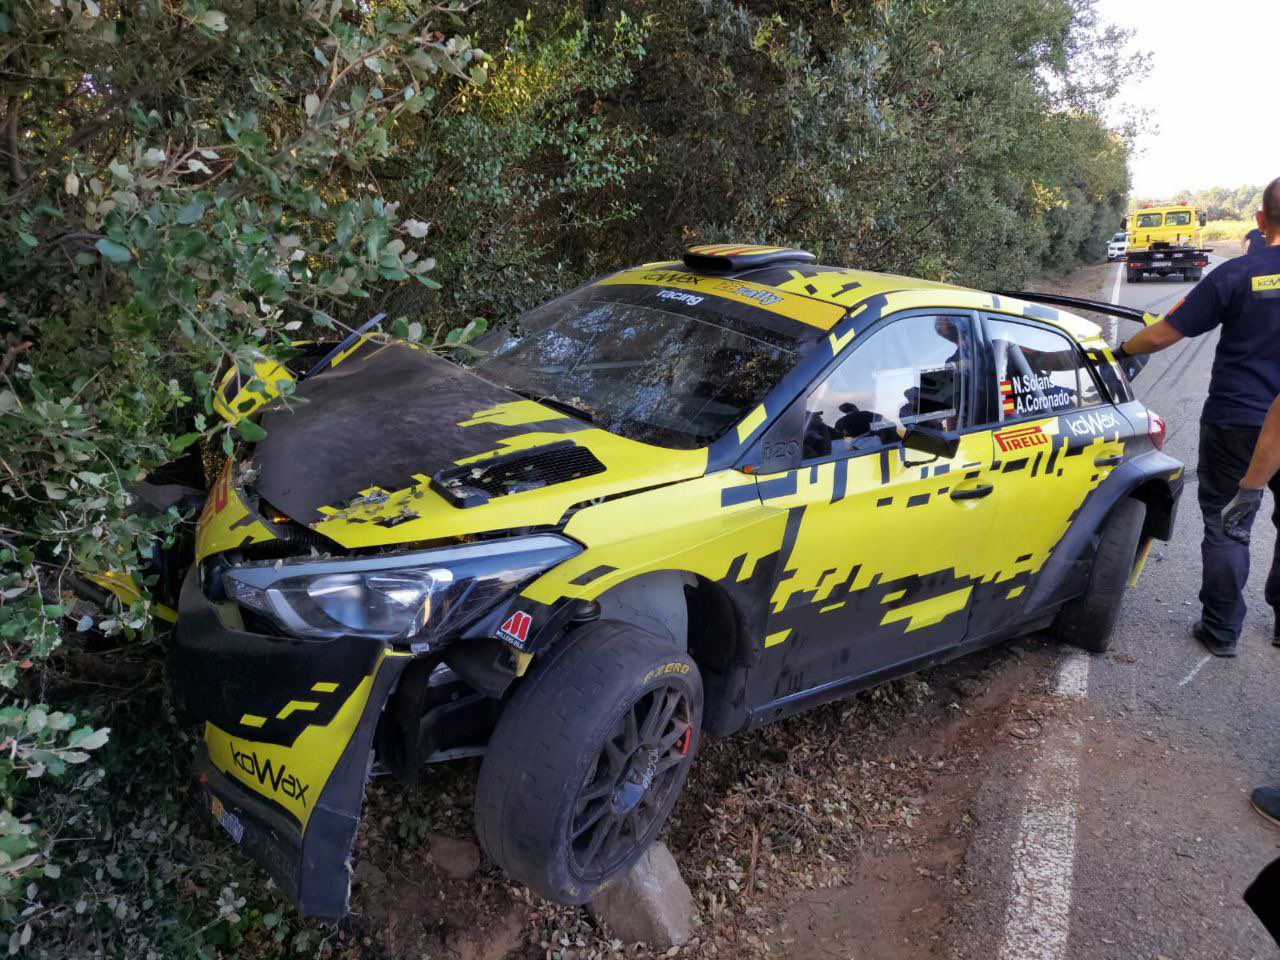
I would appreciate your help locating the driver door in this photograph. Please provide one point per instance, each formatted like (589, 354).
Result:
(883, 545)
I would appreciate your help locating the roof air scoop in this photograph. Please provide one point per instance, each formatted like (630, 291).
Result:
(731, 257)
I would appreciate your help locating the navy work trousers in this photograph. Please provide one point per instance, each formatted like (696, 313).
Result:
(1224, 458)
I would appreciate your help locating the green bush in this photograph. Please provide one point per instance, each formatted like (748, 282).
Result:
(187, 186)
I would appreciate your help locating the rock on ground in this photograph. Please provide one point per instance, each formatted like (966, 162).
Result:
(454, 858)
(651, 904)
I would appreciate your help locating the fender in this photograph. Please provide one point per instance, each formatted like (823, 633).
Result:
(1059, 579)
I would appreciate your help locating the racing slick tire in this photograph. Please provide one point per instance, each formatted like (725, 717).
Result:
(1089, 620)
(588, 758)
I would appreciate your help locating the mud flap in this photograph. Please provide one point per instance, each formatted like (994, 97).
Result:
(1140, 561)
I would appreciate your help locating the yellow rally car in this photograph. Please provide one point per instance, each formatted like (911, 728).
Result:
(687, 499)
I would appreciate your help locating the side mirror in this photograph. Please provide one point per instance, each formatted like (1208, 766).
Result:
(937, 443)
(1204, 219)
(1124, 223)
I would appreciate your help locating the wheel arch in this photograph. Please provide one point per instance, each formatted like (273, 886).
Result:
(701, 617)
(1154, 478)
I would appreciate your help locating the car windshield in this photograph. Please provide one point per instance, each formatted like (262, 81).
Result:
(646, 374)
(1148, 220)
(1179, 218)
(1117, 238)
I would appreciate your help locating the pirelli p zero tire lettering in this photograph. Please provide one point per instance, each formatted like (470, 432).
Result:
(588, 759)
(1088, 620)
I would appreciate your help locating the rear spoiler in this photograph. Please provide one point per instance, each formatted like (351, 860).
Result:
(1080, 303)
(1131, 366)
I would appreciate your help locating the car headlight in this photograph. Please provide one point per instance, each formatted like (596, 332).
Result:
(392, 597)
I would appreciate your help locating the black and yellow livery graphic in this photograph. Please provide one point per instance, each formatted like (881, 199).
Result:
(783, 481)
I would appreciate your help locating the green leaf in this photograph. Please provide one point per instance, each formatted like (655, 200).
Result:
(193, 212)
(113, 251)
(181, 443)
(250, 431)
(426, 282)
(214, 19)
(86, 738)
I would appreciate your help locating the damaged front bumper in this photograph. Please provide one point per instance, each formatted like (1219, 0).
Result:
(288, 728)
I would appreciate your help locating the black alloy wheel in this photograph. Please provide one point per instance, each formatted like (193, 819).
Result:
(635, 772)
(588, 758)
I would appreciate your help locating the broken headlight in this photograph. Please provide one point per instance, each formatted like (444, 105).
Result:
(394, 597)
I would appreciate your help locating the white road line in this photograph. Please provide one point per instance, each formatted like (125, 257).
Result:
(1194, 670)
(1038, 918)
(1112, 323)
(1073, 676)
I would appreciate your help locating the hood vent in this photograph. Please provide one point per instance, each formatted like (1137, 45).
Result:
(474, 484)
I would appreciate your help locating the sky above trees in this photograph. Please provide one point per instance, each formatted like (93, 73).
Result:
(1207, 94)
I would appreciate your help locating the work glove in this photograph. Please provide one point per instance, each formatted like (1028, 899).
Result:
(1131, 365)
(1237, 516)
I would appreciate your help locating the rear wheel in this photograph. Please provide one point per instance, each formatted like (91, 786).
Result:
(1089, 620)
(588, 759)
(1133, 276)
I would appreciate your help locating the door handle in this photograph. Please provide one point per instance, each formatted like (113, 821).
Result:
(1110, 461)
(975, 492)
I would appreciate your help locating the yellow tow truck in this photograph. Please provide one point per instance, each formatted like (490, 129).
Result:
(1164, 241)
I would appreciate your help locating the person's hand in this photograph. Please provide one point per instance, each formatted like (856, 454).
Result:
(1237, 516)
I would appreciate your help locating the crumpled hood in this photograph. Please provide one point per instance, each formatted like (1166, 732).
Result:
(354, 461)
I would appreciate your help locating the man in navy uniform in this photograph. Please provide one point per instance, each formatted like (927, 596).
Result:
(1242, 297)
(1255, 239)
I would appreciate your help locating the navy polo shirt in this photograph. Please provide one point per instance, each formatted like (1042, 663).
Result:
(1243, 297)
(1256, 241)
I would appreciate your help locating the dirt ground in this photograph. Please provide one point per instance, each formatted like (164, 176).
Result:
(790, 837)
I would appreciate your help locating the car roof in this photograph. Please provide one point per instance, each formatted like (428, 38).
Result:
(807, 291)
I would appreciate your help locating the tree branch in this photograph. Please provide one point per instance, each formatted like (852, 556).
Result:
(10, 128)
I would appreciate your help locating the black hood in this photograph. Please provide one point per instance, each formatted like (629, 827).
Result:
(378, 419)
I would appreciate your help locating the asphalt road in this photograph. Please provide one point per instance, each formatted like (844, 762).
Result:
(1149, 770)
(1168, 850)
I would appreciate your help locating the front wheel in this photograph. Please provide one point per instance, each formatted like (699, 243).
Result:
(1089, 620)
(588, 759)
